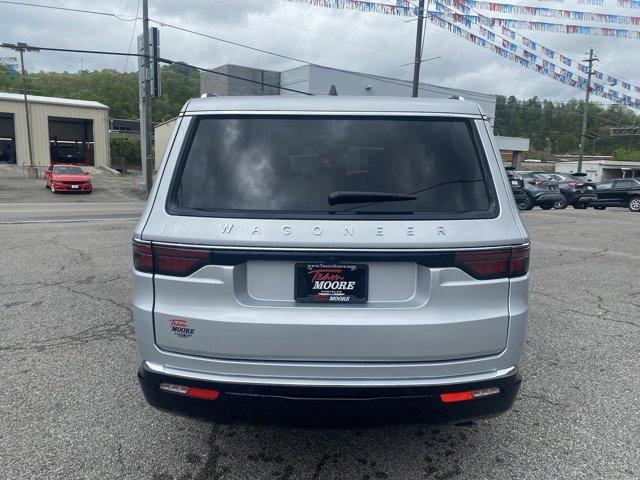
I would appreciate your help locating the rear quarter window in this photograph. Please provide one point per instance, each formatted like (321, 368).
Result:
(286, 166)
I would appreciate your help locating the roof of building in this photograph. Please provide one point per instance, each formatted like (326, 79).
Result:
(605, 163)
(70, 102)
(337, 104)
(422, 85)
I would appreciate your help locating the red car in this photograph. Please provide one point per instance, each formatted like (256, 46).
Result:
(67, 178)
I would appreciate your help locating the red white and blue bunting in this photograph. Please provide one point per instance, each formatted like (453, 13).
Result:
(507, 43)
(629, 3)
(548, 12)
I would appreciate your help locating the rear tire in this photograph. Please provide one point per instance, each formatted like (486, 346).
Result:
(561, 204)
(634, 204)
(599, 208)
(526, 204)
(45, 185)
(546, 206)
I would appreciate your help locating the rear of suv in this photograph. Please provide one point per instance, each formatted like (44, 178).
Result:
(331, 248)
(543, 190)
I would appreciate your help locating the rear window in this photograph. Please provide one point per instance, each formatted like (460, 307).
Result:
(286, 166)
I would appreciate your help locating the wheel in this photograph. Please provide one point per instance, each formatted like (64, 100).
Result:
(580, 206)
(526, 204)
(561, 204)
(599, 208)
(634, 204)
(546, 206)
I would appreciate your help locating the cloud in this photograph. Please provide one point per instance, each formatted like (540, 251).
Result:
(367, 42)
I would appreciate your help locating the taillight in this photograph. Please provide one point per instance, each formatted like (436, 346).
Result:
(572, 184)
(535, 181)
(489, 264)
(175, 261)
(142, 256)
(519, 263)
(179, 261)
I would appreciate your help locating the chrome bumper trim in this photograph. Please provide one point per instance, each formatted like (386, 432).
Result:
(327, 382)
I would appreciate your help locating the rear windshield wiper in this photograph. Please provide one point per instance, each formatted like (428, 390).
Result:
(336, 198)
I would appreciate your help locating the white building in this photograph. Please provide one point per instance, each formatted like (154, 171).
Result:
(61, 130)
(599, 170)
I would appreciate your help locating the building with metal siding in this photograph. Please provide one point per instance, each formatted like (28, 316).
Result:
(61, 129)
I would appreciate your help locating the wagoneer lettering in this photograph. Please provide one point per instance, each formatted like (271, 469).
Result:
(292, 250)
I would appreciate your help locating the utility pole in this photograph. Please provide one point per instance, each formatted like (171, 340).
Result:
(418, 55)
(32, 171)
(583, 136)
(145, 105)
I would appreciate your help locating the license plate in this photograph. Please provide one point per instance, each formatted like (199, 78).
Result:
(331, 283)
(514, 182)
(589, 188)
(74, 186)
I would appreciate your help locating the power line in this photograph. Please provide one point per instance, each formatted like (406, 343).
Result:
(287, 57)
(304, 29)
(66, 9)
(133, 32)
(169, 62)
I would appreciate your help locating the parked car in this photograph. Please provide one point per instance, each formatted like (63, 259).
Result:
(292, 250)
(542, 189)
(620, 192)
(524, 201)
(67, 178)
(66, 153)
(576, 190)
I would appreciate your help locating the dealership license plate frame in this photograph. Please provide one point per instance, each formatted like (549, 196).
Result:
(358, 272)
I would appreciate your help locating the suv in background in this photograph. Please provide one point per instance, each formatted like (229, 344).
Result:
(523, 200)
(621, 192)
(290, 251)
(541, 188)
(576, 190)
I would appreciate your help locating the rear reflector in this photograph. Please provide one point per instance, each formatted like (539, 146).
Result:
(489, 264)
(203, 393)
(469, 395)
(456, 397)
(192, 392)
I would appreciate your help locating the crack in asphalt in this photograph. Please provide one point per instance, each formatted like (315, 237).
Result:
(211, 469)
(105, 331)
(604, 313)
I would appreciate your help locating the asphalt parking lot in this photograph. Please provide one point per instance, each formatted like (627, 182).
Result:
(70, 406)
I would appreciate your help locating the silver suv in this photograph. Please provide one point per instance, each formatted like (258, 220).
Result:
(331, 248)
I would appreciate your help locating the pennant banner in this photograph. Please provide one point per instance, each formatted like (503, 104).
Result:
(568, 29)
(629, 3)
(547, 12)
(510, 50)
(396, 7)
(528, 60)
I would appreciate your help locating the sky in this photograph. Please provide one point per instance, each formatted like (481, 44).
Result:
(367, 42)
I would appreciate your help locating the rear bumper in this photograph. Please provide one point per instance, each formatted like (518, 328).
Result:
(582, 198)
(261, 403)
(543, 198)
